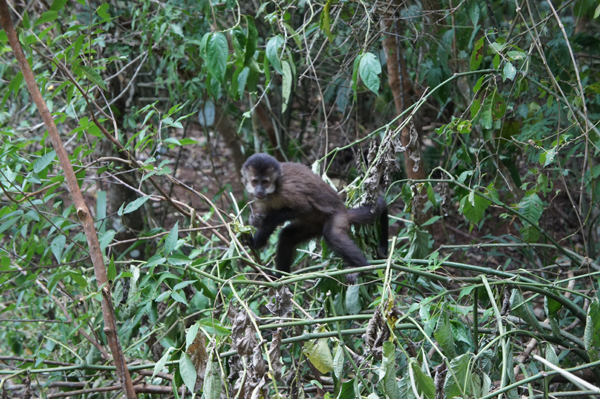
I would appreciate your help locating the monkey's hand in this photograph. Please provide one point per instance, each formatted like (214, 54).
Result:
(256, 219)
(247, 240)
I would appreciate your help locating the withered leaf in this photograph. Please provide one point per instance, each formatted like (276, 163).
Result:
(275, 354)
(281, 302)
(243, 334)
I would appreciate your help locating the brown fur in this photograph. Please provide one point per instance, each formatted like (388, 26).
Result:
(313, 207)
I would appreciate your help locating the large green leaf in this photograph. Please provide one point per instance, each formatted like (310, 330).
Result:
(318, 353)
(42, 162)
(443, 335)
(171, 239)
(473, 207)
(531, 206)
(187, 371)
(456, 383)
(273, 45)
(369, 69)
(251, 40)
(216, 56)
(286, 85)
(477, 54)
(387, 372)
(424, 383)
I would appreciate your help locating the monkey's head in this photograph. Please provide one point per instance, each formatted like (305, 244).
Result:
(261, 174)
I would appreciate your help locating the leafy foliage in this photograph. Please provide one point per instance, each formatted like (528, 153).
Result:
(158, 103)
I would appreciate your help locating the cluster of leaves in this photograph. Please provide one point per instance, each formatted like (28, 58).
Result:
(516, 137)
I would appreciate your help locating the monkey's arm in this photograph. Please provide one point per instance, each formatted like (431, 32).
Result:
(272, 217)
(266, 224)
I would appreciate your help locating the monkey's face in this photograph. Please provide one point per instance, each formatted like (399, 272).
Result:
(259, 185)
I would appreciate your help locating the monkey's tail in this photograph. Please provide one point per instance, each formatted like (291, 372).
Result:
(363, 215)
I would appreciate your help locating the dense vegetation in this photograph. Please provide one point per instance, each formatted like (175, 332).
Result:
(478, 121)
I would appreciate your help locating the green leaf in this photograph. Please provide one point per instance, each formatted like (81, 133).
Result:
(529, 233)
(111, 272)
(475, 107)
(26, 21)
(133, 206)
(522, 309)
(478, 85)
(496, 61)
(13, 86)
(347, 391)
(355, 75)
(57, 246)
(317, 352)
(338, 362)
(325, 22)
(286, 85)
(509, 72)
(547, 157)
(369, 69)
(160, 365)
(457, 376)
(443, 335)
(532, 207)
(8, 224)
(516, 55)
(241, 80)
(593, 325)
(48, 16)
(477, 54)
(106, 238)
(251, 40)
(216, 56)
(551, 356)
(93, 76)
(498, 106)
(424, 383)
(103, 12)
(191, 335)
(176, 296)
(474, 12)
(203, 43)
(473, 207)
(353, 304)
(187, 371)
(42, 162)
(588, 335)
(272, 51)
(387, 372)
(212, 382)
(486, 118)
(171, 239)
(78, 278)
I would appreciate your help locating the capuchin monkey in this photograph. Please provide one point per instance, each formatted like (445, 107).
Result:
(291, 191)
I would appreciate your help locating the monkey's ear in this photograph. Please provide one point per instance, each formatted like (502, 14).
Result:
(245, 174)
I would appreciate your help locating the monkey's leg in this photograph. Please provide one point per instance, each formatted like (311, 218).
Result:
(363, 215)
(336, 235)
(382, 249)
(290, 236)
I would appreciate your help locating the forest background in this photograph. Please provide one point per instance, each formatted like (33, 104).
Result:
(123, 128)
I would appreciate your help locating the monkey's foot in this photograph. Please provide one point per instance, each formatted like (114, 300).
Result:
(382, 252)
(351, 278)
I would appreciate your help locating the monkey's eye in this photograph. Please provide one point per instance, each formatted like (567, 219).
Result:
(254, 182)
(265, 182)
